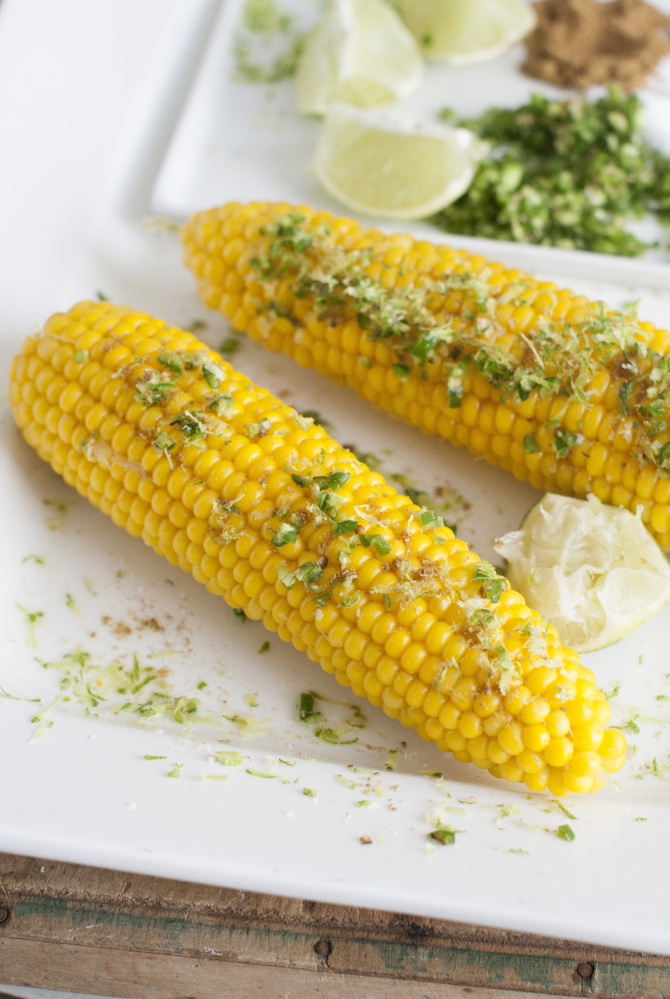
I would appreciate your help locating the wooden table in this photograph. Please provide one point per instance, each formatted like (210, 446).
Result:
(88, 930)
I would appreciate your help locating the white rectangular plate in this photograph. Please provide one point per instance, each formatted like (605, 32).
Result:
(85, 791)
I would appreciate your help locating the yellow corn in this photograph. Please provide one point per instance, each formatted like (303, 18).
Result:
(548, 385)
(267, 510)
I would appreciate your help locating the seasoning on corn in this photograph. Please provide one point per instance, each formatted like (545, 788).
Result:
(270, 512)
(565, 394)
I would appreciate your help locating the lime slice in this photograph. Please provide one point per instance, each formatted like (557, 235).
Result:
(360, 53)
(379, 167)
(465, 31)
(592, 571)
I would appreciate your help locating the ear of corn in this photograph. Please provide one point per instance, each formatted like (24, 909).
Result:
(564, 394)
(265, 509)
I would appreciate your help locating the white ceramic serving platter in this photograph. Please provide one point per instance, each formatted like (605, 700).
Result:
(82, 790)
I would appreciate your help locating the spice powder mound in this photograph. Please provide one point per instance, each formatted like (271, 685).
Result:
(578, 43)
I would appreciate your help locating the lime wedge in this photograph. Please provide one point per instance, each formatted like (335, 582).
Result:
(465, 31)
(592, 571)
(360, 53)
(379, 167)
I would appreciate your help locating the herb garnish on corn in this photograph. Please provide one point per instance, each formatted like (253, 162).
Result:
(290, 528)
(566, 394)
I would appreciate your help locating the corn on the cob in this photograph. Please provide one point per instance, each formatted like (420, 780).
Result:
(566, 395)
(267, 510)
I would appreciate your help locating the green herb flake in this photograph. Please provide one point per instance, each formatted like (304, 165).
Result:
(566, 833)
(309, 792)
(147, 756)
(306, 707)
(176, 770)
(346, 526)
(392, 760)
(239, 613)
(378, 542)
(37, 559)
(202, 685)
(163, 442)
(530, 444)
(286, 534)
(564, 440)
(229, 346)
(430, 521)
(401, 371)
(444, 835)
(217, 777)
(172, 361)
(80, 356)
(260, 773)
(264, 647)
(492, 584)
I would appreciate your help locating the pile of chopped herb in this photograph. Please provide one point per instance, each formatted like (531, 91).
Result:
(570, 174)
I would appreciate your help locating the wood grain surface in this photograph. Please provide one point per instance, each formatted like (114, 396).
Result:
(89, 930)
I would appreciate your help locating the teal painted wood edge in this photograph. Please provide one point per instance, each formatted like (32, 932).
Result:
(464, 965)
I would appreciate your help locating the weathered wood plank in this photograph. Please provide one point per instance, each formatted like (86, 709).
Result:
(155, 976)
(90, 916)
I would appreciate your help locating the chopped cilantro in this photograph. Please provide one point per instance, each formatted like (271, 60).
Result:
(563, 441)
(80, 356)
(392, 760)
(239, 613)
(402, 371)
(176, 769)
(37, 559)
(229, 346)
(530, 444)
(378, 541)
(196, 326)
(172, 361)
(153, 388)
(148, 757)
(286, 534)
(192, 425)
(566, 833)
(430, 521)
(260, 773)
(213, 374)
(444, 835)
(346, 526)
(101, 297)
(221, 404)
(309, 792)
(564, 173)
(265, 647)
(202, 685)
(492, 584)
(306, 707)
(163, 442)
(308, 572)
